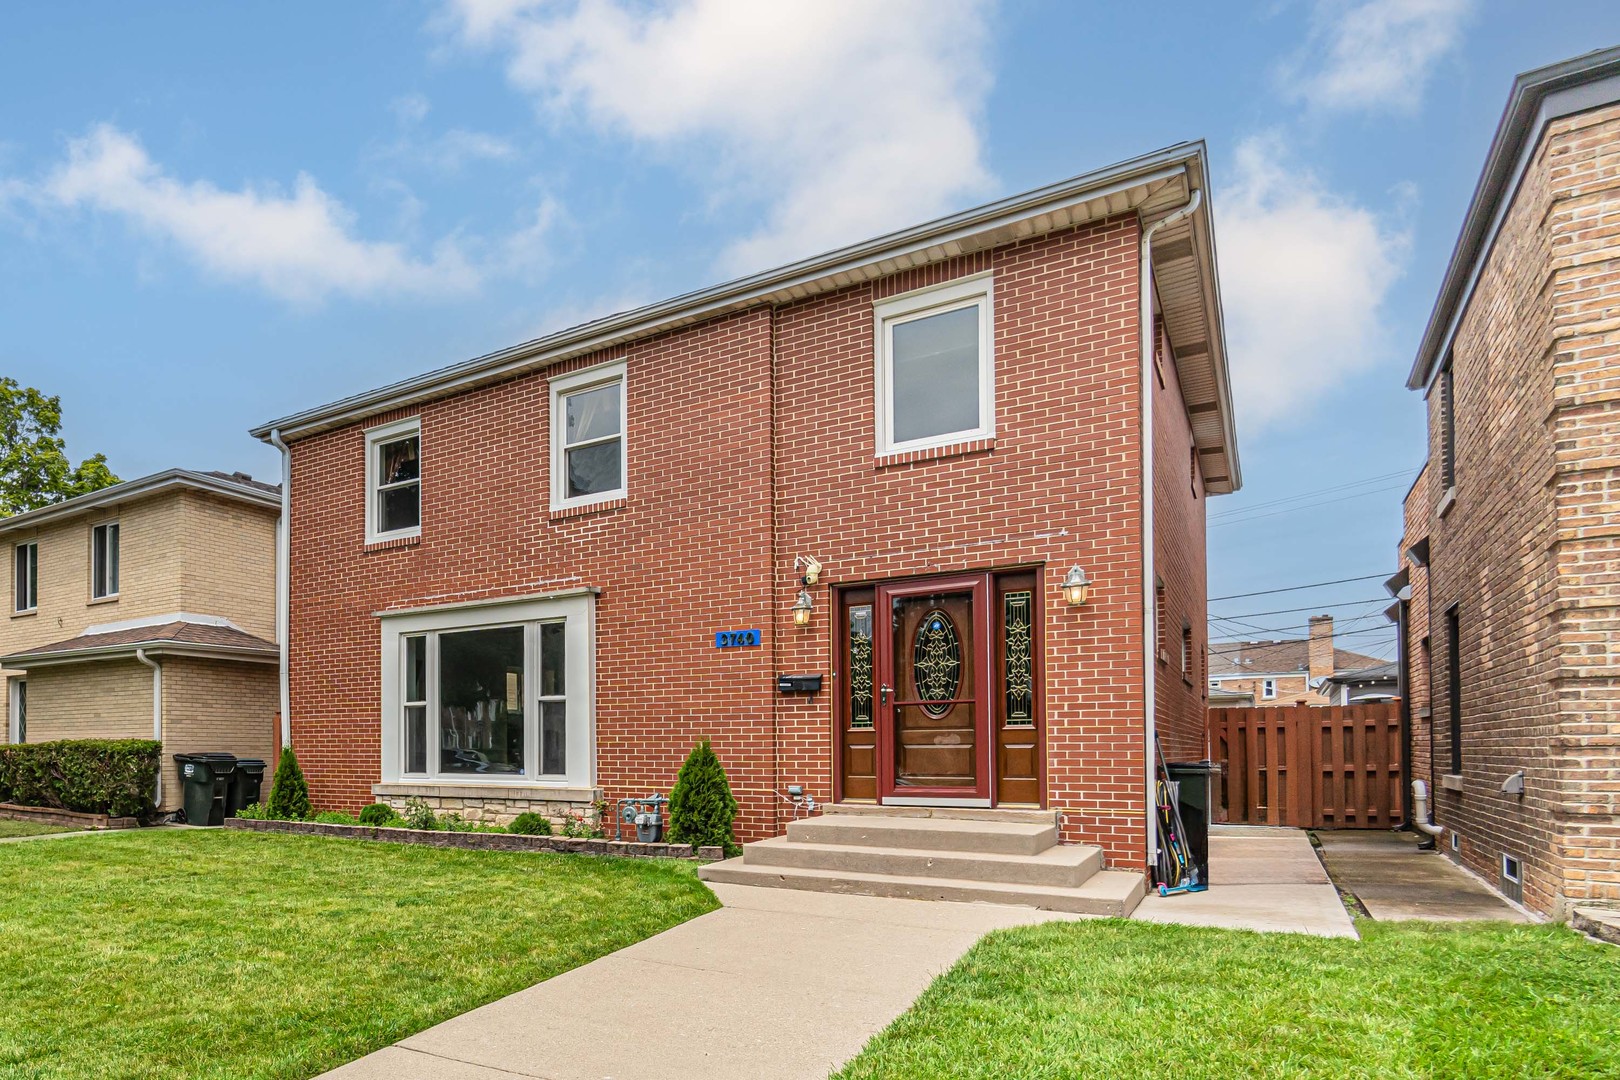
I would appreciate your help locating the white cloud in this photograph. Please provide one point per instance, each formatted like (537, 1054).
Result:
(446, 152)
(1376, 54)
(844, 117)
(1304, 276)
(299, 246)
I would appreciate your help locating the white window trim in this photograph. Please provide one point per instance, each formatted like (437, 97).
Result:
(1268, 689)
(579, 610)
(977, 290)
(17, 687)
(111, 594)
(573, 382)
(33, 605)
(379, 436)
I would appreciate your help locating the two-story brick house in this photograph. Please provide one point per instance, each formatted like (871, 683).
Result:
(146, 610)
(536, 578)
(1510, 593)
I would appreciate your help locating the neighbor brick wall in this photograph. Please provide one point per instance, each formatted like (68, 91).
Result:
(107, 700)
(701, 545)
(1417, 510)
(1527, 551)
(215, 705)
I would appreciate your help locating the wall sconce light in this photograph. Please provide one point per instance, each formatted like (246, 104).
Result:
(802, 607)
(811, 568)
(1076, 586)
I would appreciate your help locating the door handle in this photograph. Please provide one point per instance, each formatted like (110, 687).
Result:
(883, 694)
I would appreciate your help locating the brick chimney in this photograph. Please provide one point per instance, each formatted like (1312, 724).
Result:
(1321, 649)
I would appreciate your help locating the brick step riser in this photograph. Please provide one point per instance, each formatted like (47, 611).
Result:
(949, 813)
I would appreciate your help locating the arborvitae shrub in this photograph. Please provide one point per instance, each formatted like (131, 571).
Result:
(530, 823)
(701, 807)
(289, 791)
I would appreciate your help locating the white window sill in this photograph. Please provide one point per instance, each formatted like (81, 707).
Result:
(24, 613)
(608, 500)
(463, 789)
(1447, 501)
(394, 537)
(110, 599)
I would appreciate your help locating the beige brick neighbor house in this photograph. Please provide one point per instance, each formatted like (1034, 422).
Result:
(1288, 671)
(1510, 579)
(146, 610)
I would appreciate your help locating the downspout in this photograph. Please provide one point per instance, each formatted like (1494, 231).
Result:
(283, 582)
(1149, 608)
(157, 718)
(1420, 810)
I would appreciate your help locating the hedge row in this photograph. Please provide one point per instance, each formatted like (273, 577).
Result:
(92, 776)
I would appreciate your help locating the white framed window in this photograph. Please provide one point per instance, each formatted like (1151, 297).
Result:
(491, 693)
(394, 481)
(19, 709)
(588, 421)
(935, 378)
(25, 583)
(104, 561)
(1268, 688)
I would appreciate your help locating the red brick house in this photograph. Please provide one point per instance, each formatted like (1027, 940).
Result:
(1509, 601)
(536, 578)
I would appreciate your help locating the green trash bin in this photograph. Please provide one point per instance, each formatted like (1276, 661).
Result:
(206, 779)
(245, 785)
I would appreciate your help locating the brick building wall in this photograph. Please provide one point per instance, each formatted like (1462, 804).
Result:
(1417, 510)
(216, 705)
(1527, 550)
(107, 700)
(735, 466)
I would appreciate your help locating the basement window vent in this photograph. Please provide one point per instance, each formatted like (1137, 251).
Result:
(1512, 881)
(1456, 843)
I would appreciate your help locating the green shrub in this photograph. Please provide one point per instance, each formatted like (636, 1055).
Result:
(530, 823)
(419, 815)
(334, 817)
(92, 776)
(289, 791)
(701, 806)
(378, 813)
(253, 812)
(580, 827)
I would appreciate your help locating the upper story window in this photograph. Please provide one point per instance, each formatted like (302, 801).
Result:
(25, 591)
(587, 437)
(936, 366)
(1448, 429)
(1268, 689)
(394, 481)
(104, 561)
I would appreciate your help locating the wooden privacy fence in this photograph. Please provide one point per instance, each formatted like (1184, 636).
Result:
(1319, 767)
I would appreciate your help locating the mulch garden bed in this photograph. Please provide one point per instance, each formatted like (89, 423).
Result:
(477, 841)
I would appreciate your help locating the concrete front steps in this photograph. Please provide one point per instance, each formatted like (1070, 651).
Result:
(922, 853)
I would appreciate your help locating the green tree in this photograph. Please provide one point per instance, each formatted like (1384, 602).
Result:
(701, 806)
(34, 467)
(289, 791)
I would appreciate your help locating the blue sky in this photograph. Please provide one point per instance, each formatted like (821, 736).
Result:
(215, 214)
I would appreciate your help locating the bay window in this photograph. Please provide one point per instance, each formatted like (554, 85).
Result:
(495, 693)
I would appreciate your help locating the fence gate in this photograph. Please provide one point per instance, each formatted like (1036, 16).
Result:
(1319, 767)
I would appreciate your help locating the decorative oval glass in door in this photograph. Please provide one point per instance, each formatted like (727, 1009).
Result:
(936, 663)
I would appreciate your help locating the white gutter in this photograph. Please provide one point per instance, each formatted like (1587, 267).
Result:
(157, 718)
(284, 581)
(1150, 612)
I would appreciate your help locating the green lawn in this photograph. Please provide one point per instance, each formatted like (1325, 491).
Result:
(169, 953)
(1109, 998)
(9, 828)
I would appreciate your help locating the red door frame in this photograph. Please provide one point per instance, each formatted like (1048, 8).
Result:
(982, 793)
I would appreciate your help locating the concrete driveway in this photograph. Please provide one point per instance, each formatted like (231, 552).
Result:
(1260, 879)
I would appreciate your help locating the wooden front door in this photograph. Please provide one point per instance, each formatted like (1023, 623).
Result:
(939, 691)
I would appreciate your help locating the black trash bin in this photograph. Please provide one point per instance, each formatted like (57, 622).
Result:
(245, 784)
(205, 778)
(1195, 782)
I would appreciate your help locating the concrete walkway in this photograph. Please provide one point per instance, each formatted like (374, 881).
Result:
(1260, 879)
(1394, 880)
(779, 983)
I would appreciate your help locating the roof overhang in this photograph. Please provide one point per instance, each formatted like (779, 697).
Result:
(26, 661)
(1538, 97)
(130, 490)
(1151, 186)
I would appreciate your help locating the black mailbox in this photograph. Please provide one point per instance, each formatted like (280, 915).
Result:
(798, 684)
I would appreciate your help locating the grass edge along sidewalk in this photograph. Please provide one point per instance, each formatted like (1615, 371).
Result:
(1114, 998)
(236, 954)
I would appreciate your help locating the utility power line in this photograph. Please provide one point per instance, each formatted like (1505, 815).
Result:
(1348, 485)
(1313, 607)
(1305, 506)
(1297, 588)
(1269, 630)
